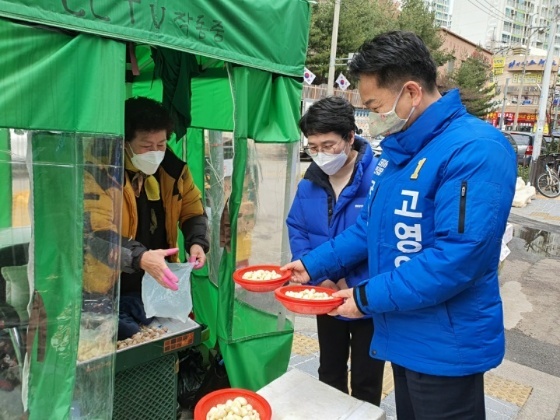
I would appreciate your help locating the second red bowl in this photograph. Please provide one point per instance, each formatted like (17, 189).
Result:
(307, 306)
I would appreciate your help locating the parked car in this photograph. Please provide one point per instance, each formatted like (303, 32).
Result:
(511, 141)
(524, 142)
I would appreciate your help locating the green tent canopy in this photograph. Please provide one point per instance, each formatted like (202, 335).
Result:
(231, 73)
(269, 35)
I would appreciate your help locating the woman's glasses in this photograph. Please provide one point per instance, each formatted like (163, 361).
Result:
(330, 149)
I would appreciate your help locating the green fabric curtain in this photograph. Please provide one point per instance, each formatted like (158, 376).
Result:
(212, 103)
(257, 361)
(46, 71)
(267, 34)
(6, 177)
(176, 69)
(204, 292)
(261, 352)
(267, 107)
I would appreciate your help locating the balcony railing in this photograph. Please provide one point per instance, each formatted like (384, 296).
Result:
(319, 92)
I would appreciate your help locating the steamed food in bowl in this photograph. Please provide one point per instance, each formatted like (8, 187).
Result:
(235, 409)
(309, 294)
(261, 275)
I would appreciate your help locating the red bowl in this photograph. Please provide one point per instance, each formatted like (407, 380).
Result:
(307, 306)
(261, 285)
(205, 404)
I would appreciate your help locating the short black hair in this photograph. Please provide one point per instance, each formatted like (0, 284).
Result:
(145, 114)
(331, 114)
(393, 58)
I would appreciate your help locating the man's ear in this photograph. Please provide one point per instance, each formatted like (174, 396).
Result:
(416, 93)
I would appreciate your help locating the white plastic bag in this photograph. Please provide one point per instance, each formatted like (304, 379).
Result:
(162, 302)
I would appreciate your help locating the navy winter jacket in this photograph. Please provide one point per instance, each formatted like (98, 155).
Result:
(431, 231)
(316, 216)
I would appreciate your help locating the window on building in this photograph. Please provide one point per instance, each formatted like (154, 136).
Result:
(450, 66)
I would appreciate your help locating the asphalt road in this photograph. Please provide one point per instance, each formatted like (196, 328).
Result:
(530, 289)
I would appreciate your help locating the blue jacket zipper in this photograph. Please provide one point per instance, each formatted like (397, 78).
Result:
(462, 206)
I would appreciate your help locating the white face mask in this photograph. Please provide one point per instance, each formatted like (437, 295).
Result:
(147, 162)
(330, 164)
(385, 123)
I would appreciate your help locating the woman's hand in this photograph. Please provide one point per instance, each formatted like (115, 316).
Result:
(153, 262)
(299, 273)
(197, 256)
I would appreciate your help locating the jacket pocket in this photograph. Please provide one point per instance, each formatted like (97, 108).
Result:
(444, 318)
(462, 206)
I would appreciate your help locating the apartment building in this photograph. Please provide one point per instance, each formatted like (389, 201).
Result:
(500, 25)
(442, 10)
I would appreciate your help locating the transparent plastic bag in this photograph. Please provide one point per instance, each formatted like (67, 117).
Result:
(161, 302)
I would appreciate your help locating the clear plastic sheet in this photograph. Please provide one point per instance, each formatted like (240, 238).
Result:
(15, 233)
(58, 335)
(218, 170)
(269, 183)
(101, 166)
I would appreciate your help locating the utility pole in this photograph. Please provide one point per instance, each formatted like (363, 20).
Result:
(334, 41)
(555, 118)
(503, 115)
(543, 101)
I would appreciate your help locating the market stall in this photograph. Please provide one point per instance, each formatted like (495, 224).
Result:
(231, 75)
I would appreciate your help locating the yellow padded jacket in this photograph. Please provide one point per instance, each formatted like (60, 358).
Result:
(182, 203)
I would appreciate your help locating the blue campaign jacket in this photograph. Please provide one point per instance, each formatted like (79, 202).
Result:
(316, 216)
(431, 232)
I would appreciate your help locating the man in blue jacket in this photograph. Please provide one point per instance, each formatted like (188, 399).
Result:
(431, 232)
(328, 200)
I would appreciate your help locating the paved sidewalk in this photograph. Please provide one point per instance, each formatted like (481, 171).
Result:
(540, 209)
(504, 396)
(512, 390)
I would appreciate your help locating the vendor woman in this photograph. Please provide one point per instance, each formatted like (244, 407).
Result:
(159, 197)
